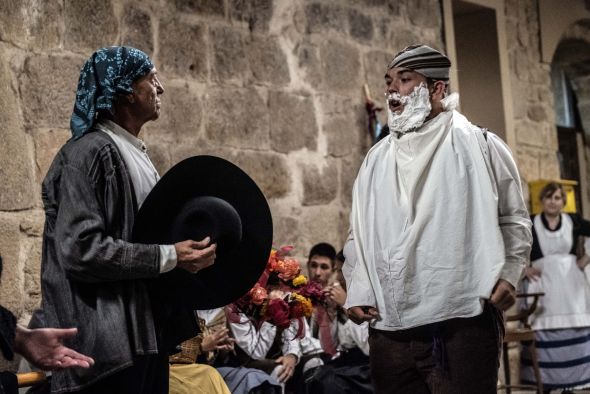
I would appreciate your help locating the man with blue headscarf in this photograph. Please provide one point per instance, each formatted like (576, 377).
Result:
(93, 277)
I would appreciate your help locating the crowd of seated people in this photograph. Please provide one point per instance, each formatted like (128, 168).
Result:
(237, 353)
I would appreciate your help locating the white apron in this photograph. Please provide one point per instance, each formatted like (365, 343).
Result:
(566, 303)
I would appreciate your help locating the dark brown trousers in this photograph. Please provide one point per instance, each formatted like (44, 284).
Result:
(403, 361)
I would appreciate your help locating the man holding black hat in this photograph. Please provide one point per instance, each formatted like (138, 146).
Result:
(439, 236)
(93, 277)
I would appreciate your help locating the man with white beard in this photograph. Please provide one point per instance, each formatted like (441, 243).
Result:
(439, 235)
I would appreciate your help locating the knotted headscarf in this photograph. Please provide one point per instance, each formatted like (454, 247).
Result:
(107, 74)
(424, 60)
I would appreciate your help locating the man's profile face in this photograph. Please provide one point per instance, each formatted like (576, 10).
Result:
(402, 81)
(146, 93)
(320, 269)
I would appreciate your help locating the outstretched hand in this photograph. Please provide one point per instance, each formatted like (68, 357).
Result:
(44, 348)
(193, 256)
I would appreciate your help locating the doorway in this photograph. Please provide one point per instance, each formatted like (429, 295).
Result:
(479, 65)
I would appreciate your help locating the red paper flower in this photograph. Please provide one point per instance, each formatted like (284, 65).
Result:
(313, 291)
(277, 312)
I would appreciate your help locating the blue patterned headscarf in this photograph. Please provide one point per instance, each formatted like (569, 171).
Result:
(107, 74)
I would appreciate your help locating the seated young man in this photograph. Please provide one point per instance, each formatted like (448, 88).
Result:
(346, 343)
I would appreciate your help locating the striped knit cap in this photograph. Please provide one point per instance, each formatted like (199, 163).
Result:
(424, 60)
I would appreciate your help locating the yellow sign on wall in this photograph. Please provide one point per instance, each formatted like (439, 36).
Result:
(568, 186)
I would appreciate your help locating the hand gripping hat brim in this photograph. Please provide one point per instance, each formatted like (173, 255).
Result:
(207, 196)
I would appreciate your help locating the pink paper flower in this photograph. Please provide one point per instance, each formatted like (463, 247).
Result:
(273, 260)
(289, 269)
(258, 294)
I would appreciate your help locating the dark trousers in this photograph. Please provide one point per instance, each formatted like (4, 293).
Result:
(148, 375)
(466, 360)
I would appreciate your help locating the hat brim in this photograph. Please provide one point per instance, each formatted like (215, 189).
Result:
(235, 271)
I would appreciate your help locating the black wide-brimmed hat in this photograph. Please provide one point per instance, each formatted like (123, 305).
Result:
(208, 196)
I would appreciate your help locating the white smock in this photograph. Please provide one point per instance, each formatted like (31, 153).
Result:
(429, 225)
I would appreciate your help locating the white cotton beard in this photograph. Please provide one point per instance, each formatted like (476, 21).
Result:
(451, 102)
(416, 109)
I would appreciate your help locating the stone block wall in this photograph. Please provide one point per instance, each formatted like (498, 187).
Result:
(272, 85)
(534, 117)
(573, 55)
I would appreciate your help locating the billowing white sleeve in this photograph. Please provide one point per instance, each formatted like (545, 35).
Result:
(349, 258)
(291, 344)
(359, 290)
(513, 217)
(587, 252)
(255, 344)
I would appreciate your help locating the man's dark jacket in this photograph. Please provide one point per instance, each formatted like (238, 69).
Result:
(92, 276)
(8, 383)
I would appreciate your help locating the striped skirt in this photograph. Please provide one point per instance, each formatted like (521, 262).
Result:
(564, 359)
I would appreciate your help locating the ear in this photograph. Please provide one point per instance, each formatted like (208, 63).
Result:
(438, 90)
(130, 98)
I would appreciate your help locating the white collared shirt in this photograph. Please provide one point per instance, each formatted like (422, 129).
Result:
(256, 343)
(143, 175)
(351, 335)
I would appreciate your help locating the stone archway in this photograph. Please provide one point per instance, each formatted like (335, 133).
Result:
(573, 57)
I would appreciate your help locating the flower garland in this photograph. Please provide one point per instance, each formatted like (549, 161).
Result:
(282, 293)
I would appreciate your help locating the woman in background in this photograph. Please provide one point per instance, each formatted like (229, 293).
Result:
(562, 319)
